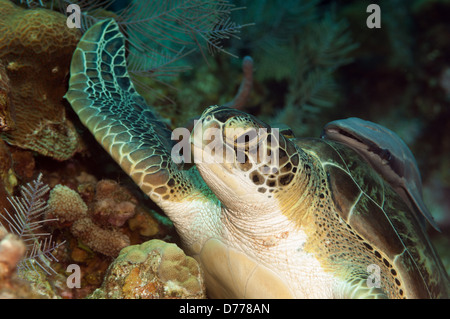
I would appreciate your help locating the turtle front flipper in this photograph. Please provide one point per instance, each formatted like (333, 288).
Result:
(103, 96)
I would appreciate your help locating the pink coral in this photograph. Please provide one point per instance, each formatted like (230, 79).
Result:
(12, 249)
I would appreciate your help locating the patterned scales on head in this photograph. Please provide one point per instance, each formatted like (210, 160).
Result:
(317, 224)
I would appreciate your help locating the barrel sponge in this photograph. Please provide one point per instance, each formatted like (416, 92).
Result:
(154, 269)
(36, 48)
(66, 204)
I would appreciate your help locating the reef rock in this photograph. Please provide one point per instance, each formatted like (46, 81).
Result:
(152, 270)
(6, 121)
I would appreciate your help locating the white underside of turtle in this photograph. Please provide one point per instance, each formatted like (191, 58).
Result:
(234, 270)
(264, 259)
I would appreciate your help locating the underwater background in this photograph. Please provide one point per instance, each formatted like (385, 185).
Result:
(312, 62)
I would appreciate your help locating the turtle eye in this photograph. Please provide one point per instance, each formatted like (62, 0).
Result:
(241, 138)
(247, 138)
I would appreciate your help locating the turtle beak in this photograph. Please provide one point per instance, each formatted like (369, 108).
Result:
(196, 135)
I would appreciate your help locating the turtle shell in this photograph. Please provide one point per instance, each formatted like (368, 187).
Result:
(381, 221)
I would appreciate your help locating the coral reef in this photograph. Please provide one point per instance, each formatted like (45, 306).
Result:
(144, 223)
(105, 241)
(70, 210)
(6, 121)
(12, 250)
(36, 48)
(113, 205)
(16, 288)
(7, 177)
(4, 204)
(89, 228)
(23, 163)
(26, 222)
(15, 165)
(152, 270)
(66, 205)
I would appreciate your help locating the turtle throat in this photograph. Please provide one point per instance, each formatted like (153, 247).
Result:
(299, 201)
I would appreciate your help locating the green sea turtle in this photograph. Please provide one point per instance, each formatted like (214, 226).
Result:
(315, 221)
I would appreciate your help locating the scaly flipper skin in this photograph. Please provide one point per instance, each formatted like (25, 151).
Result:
(101, 93)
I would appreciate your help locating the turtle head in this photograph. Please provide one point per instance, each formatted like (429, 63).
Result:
(242, 159)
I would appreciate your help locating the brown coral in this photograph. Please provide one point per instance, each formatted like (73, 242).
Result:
(105, 241)
(23, 163)
(7, 177)
(154, 269)
(143, 223)
(71, 211)
(66, 204)
(36, 47)
(113, 204)
(6, 121)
